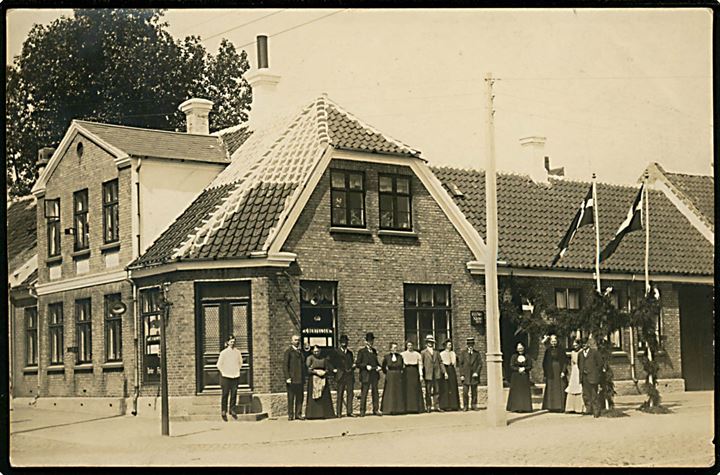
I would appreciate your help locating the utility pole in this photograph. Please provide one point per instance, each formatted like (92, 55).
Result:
(495, 394)
(165, 410)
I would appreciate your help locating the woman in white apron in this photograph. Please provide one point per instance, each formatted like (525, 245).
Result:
(574, 401)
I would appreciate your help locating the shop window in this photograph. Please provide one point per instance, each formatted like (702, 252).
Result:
(567, 299)
(113, 329)
(150, 309)
(52, 218)
(55, 332)
(83, 323)
(427, 312)
(347, 197)
(318, 313)
(111, 212)
(395, 202)
(81, 232)
(31, 336)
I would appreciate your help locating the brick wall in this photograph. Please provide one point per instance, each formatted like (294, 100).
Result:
(73, 174)
(101, 378)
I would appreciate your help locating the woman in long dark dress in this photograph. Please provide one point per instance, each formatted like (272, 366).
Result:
(554, 370)
(319, 405)
(449, 394)
(392, 398)
(412, 389)
(519, 399)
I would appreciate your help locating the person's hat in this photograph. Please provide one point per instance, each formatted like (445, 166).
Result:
(344, 339)
(369, 336)
(430, 338)
(470, 340)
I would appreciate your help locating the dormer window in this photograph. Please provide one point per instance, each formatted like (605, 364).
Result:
(52, 217)
(111, 215)
(81, 230)
(347, 197)
(395, 203)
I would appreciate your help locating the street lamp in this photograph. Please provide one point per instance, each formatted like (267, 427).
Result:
(165, 412)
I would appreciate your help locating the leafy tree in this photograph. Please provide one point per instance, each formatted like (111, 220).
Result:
(118, 66)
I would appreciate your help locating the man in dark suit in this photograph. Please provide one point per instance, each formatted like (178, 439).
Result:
(294, 370)
(470, 364)
(370, 368)
(590, 365)
(432, 371)
(344, 370)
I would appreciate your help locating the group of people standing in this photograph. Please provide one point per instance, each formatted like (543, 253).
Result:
(571, 384)
(406, 375)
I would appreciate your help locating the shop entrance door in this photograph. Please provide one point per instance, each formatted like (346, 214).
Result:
(218, 320)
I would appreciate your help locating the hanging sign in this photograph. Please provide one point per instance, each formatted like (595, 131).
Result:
(477, 319)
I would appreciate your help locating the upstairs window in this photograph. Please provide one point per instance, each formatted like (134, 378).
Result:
(80, 220)
(52, 217)
(83, 321)
(347, 197)
(55, 332)
(567, 299)
(111, 214)
(31, 340)
(395, 203)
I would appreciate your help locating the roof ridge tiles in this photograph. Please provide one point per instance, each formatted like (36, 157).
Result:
(145, 129)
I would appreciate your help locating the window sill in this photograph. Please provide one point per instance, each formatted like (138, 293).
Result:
(53, 260)
(113, 365)
(56, 368)
(84, 368)
(397, 233)
(618, 353)
(659, 353)
(30, 370)
(81, 254)
(340, 230)
(111, 246)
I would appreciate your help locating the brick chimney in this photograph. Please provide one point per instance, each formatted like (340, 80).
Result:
(196, 115)
(535, 147)
(263, 82)
(44, 155)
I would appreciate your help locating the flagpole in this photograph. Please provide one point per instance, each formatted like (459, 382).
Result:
(647, 257)
(597, 235)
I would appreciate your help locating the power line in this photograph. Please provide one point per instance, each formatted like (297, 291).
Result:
(202, 23)
(295, 27)
(244, 24)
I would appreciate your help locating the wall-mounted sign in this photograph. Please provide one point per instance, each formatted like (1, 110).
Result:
(477, 319)
(72, 349)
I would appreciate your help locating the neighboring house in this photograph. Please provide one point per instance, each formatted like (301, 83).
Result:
(534, 215)
(22, 303)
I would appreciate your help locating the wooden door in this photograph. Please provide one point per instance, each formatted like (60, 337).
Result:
(697, 343)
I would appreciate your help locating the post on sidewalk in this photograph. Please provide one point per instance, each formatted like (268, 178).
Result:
(495, 396)
(164, 400)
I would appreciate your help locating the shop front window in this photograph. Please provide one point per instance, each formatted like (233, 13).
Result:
(150, 309)
(318, 313)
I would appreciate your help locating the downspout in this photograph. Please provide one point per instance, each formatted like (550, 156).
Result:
(11, 347)
(31, 291)
(136, 347)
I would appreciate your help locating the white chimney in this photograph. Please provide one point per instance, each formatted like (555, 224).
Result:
(263, 83)
(535, 156)
(196, 115)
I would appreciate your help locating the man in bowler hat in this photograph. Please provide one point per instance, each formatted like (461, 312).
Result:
(370, 368)
(470, 363)
(344, 371)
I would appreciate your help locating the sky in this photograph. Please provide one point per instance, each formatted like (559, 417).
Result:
(612, 90)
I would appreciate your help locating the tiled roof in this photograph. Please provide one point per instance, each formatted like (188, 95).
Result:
(21, 231)
(532, 218)
(159, 143)
(699, 190)
(241, 210)
(234, 137)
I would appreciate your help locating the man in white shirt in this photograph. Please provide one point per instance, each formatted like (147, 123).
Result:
(229, 363)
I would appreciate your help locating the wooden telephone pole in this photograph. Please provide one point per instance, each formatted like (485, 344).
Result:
(495, 395)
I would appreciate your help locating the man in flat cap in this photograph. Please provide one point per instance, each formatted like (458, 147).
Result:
(433, 370)
(470, 363)
(344, 370)
(370, 368)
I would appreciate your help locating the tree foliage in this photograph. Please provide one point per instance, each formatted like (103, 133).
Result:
(117, 66)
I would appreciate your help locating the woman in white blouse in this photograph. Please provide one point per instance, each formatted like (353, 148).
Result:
(449, 394)
(412, 384)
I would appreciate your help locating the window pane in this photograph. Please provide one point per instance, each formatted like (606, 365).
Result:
(386, 184)
(440, 320)
(403, 185)
(355, 200)
(404, 221)
(337, 179)
(240, 330)
(426, 320)
(338, 199)
(411, 336)
(425, 296)
(356, 217)
(560, 299)
(356, 181)
(403, 204)
(339, 216)
(211, 336)
(573, 301)
(411, 320)
(386, 203)
(410, 296)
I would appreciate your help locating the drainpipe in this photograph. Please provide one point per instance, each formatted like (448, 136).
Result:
(11, 347)
(136, 347)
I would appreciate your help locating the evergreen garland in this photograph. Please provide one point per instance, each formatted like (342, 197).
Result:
(644, 318)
